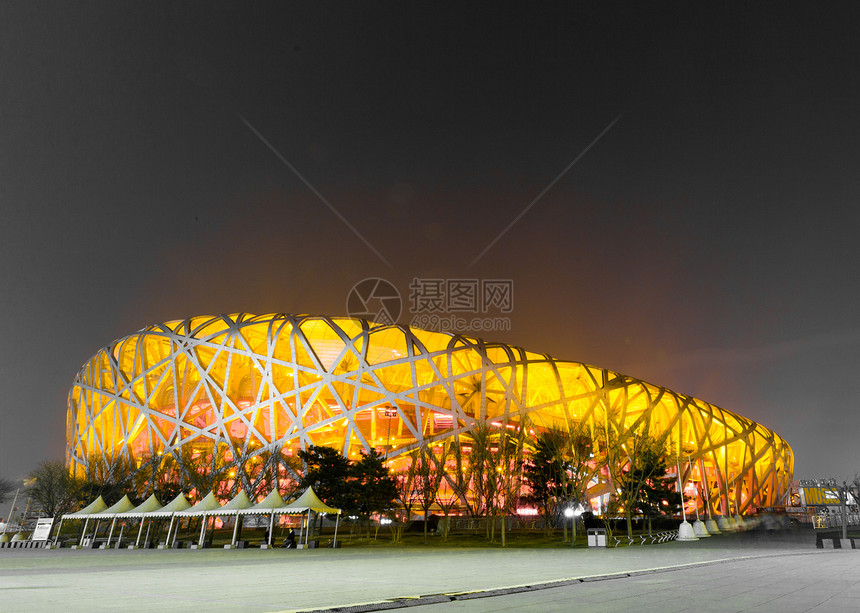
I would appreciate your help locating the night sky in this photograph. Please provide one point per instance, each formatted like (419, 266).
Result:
(706, 242)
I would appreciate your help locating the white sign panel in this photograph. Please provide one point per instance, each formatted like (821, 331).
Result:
(43, 529)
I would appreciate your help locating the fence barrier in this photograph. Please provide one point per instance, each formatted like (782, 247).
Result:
(645, 539)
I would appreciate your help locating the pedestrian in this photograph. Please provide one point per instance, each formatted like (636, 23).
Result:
(290, 541)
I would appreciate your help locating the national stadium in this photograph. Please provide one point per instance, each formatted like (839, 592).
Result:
(253, 390)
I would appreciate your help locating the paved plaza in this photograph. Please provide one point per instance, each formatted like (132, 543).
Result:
(749, 572)
(788, 583)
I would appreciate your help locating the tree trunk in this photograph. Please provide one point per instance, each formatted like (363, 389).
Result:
(504, 527)
(629, 524)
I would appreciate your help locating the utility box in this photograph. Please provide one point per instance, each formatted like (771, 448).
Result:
(597, 537)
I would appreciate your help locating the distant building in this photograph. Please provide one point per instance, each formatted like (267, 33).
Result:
(252, 390)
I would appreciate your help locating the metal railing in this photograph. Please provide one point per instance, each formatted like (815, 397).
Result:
(645, 539)
(834, 520)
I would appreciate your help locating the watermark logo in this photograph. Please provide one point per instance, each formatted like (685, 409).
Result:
(437, 304)
(374, 299)
(461, 295)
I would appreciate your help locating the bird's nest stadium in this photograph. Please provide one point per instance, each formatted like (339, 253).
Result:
(256, 389)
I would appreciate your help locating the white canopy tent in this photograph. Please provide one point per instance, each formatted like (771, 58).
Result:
(308, 502)
(180, 503)
(147, 506)
(209, 503)
(180, 508)
(122, 506)
(96, 506)
(241, 501)
(270, 505)
(125, 504)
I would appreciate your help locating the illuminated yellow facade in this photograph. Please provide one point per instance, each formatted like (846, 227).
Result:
(273, 384)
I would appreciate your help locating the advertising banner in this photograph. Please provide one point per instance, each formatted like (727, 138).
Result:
(818, 496)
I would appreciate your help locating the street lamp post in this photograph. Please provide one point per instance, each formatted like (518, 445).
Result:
(11, 512)
(843, 495)
(572, 513)
(568, 512)
(389, 413)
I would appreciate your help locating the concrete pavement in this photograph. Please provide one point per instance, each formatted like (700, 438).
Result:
(275, 580)
(786, 583)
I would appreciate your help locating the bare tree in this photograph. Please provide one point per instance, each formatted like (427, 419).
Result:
(405, 482)
(54, 488)
(446, 500)
(459, 480)
(509, 466)
(482, 463)
(258, 473)
(580, 468)
(495, 473)
(454, 487)
(429, 473)
(205, 472)
(636, 462)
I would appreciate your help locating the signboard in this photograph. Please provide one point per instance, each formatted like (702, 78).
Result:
(43, 529)
(821, 496)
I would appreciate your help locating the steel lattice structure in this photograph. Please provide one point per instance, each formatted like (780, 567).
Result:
(257, 384)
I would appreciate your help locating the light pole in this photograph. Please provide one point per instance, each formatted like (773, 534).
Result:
(572, 514)
(389, 413)
(11, 512)
(843, 495)
(568, 512)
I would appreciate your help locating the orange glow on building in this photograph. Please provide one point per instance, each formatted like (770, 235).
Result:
(245, 385)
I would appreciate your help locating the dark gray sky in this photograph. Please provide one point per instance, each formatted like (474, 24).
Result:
(708, 242)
